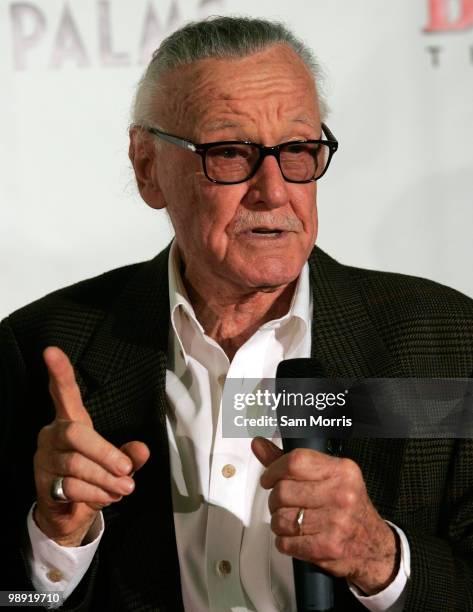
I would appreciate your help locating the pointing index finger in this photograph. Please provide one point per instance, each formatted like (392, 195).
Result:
(64, 388)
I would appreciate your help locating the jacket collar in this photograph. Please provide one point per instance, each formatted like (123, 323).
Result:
(135, 330)
(134, 334)
(345, 341)
(122, 372)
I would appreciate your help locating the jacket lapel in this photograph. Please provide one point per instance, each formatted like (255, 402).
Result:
(127, 355)
(344, 338)
(123, 376)
(346, 344)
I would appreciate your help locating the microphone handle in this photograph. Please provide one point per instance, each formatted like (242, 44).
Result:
(314, 588)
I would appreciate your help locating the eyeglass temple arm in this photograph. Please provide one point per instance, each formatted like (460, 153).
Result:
(180, 142)
(329, 134)
(185, 144)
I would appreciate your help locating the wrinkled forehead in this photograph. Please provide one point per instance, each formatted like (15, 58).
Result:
(275, 81)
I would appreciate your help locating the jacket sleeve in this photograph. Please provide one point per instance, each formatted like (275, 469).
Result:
(21, 418)
(442, 566)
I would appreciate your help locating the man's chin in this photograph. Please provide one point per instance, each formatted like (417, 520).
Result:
(269, 283)
(268, 288)
(249, 274)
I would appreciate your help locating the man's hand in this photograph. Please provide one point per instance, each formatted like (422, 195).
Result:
(95, 472)
(341, 532)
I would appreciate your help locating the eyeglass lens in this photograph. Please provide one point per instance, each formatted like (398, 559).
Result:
(236, 162)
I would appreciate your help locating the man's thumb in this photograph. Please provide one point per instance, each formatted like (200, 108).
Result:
(265, 451)
(138, 453)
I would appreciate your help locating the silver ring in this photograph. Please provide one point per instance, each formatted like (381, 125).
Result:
(57, 491)
(300, 518)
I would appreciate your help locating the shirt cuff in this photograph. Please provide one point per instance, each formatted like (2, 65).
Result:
(60, 568)
(390, 599)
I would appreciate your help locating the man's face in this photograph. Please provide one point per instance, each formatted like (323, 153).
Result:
(222, 230)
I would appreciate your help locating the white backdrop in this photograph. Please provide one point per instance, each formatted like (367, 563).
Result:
(398, 195)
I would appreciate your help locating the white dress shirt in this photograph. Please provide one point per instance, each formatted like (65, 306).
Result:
(227, 556)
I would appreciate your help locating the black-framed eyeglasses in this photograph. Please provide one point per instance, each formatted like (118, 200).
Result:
(229, 162)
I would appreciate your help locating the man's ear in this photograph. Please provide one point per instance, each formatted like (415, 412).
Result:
(142, 154)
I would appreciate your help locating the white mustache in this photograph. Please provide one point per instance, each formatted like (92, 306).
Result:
(250, 220)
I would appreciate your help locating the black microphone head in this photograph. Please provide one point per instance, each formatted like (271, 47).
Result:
(300, 368)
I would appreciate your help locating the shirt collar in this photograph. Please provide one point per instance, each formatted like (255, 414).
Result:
(178, 297)
(300, 308)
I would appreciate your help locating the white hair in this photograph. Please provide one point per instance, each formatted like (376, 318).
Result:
(218, 37)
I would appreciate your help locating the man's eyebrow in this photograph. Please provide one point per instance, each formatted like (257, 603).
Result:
(221, 124)
(304, 119)
(214, 126)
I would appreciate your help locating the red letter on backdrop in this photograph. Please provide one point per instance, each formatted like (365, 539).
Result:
(440, 20)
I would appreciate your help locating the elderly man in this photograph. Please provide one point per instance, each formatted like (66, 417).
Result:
(228, 137)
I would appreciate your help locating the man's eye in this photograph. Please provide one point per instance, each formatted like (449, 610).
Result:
(300, 148)
(297, 148)
(230, 152)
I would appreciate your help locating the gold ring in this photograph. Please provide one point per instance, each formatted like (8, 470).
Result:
(300, 518)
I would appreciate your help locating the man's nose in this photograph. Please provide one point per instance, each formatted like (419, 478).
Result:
(268, 184)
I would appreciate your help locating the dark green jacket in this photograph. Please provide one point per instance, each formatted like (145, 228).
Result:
(115, 330)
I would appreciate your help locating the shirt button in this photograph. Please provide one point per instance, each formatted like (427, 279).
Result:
(223, 568)
(54, 575)
(221, 379)
(228, 470)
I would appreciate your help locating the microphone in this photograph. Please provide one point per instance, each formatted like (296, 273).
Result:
(314, 587)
